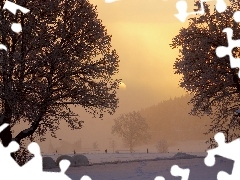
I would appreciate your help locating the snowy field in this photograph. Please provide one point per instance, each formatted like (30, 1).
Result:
(96, 158)
(191, 147)
(153, 165)
(146, 166)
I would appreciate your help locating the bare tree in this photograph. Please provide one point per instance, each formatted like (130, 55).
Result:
(133, 129)
(77, 146)
(113, 145)
(62, 57)
(95, 146)
(162, 146)
(51, 148)
(214, 85)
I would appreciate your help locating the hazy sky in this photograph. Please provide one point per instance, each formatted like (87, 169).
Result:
(141, 33)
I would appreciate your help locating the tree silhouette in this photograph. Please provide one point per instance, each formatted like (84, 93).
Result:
(113, 145)
(77, 146)
(62, 57)
(162, 146)
(95, 146)
(214, 85)
(133, 129)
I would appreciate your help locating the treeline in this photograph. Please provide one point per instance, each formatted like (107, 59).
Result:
(66, 147)
(170, 120)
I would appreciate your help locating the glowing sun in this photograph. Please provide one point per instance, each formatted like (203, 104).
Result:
(122, 86)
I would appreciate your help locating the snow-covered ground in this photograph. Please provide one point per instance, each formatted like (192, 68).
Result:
(190, 147)
(148, 170)
(148, 167)
(95, 158)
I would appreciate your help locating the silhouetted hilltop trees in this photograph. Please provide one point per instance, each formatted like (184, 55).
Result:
(66, 147)
(170, 120)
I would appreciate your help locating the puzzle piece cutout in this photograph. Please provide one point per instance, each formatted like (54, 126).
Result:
(12, 7)
(33, 169)
(177, 171)
(16, 27)
(181, 6)
(85, 178)
(222, 51)
(228, 150)
(236, 16)
(7, 162)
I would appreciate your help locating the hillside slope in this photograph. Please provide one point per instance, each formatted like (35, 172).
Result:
(170, 120)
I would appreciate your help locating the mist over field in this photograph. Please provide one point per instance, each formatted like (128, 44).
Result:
(169, 121)
(141, 32)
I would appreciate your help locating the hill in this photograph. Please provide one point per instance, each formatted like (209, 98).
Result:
(170, 120)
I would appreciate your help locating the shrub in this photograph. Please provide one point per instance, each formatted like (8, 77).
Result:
(162, 146)
(80, 160)
(49, 163)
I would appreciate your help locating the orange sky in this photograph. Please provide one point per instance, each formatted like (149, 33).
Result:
(142, 31)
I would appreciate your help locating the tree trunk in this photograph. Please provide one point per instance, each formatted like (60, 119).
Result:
(6, 136)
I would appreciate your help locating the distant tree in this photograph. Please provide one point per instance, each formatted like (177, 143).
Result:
(162, 146)
(133, 129)
(65, 147)
(62, 57)
(51, 149)
(113, 145)
(214, 85)
(77, 146)
(95, 146)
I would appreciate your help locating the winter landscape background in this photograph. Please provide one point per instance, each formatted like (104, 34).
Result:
(142, 166)
(142, 31)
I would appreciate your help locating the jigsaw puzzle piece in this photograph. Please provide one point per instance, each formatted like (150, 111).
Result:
(4, 125)
(2, 46)
(177, 171)
(50, 175)
(7, 163)
(234, 176)
(182, 10)
(221, 6)
(64, 165)
(5, 154)
(236, 16)
(88, 178)
(36, 161)
(181, 6)
(227, 150)
(39, 175)
(210, 158)
(222, 51)
(13, 147)
(157, 178)
(223, 176)
(12, 7)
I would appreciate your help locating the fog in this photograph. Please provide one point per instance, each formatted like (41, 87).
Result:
(142, 31)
